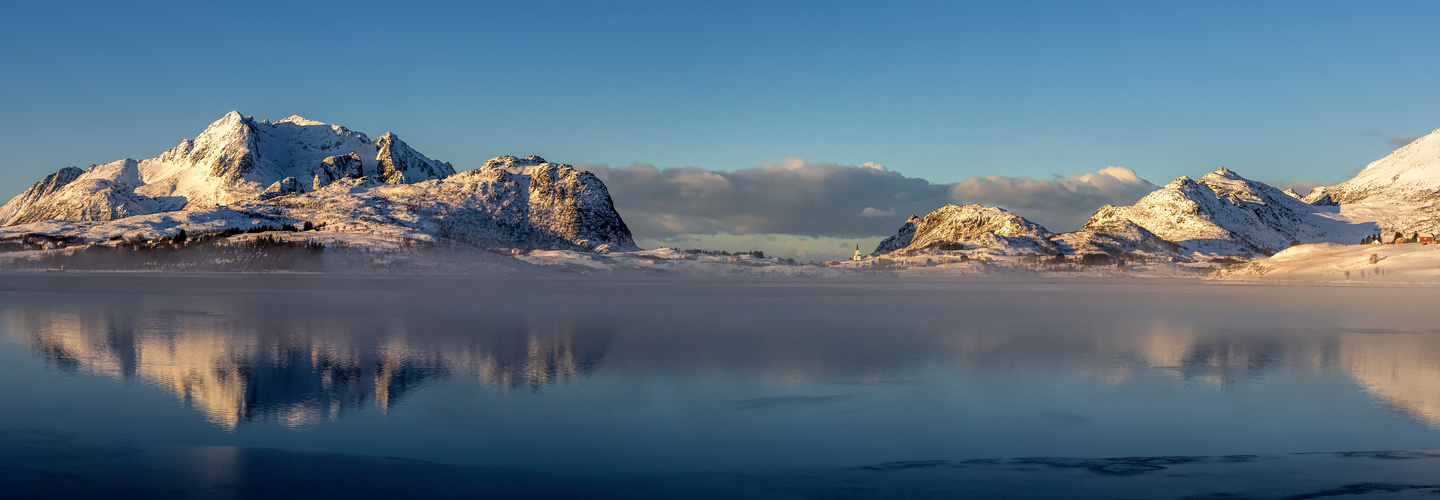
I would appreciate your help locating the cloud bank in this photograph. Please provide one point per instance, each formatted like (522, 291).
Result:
(827, 200)
(1060, 204)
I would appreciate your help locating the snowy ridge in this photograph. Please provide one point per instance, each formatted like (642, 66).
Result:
(1116, 238)
(520, 166)
(50, 184)
(1320, 197)
(1411, 172)
(103, 192)
(900, 239)
(554, 206)
(399, 164)
(232, 160)
(971, 226)
(1400, 192)
(1226, 214)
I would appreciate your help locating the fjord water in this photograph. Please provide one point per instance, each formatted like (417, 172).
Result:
(588, 377)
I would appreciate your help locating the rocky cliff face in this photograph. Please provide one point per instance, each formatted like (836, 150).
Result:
(334, 168)
(574, 206)
(508, 203)
(398, 164)
(900, 239)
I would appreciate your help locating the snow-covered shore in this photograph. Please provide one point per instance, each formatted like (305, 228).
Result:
(1344, 264)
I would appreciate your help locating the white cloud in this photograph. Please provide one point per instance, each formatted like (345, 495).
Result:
(836, 203)
(1059, 204)
(792, 197)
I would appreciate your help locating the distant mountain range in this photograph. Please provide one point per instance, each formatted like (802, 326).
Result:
(242, 174)
(1221, 214)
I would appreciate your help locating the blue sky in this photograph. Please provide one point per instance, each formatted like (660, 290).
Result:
(1280, 91)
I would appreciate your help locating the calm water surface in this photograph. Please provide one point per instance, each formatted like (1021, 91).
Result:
(605, 377)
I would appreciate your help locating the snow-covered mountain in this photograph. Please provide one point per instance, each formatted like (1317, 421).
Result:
(1400, 192)
(972, 227)
(1220, 214)
(507, 203)
(1225, 214)
(1116, 238)
(968, 226)
(233, 160)
(242, 173)
(1411, 172)
(50, 184)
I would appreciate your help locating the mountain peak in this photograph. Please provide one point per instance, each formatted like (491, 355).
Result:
(399, 164)
(230, 120)
(1223, 172)
(1226, 177)
(1181, 184)
(300, 120)
(1226, 182)
(512, 164)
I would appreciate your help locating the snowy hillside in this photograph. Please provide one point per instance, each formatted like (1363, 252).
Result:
(50, 184)
(233, 160)
(1411, 172)
(1226, 214)
(1116, 238)
(1347, 264)
(954, 227)
(988, 232)
(1400, 192)
(545, 205)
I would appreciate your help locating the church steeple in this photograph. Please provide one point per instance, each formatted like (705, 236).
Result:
(857, 253)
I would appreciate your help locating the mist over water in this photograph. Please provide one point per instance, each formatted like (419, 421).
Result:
(596, 376)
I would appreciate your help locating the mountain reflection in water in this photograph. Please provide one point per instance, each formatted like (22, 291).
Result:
(644, 372)
(234, 368)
